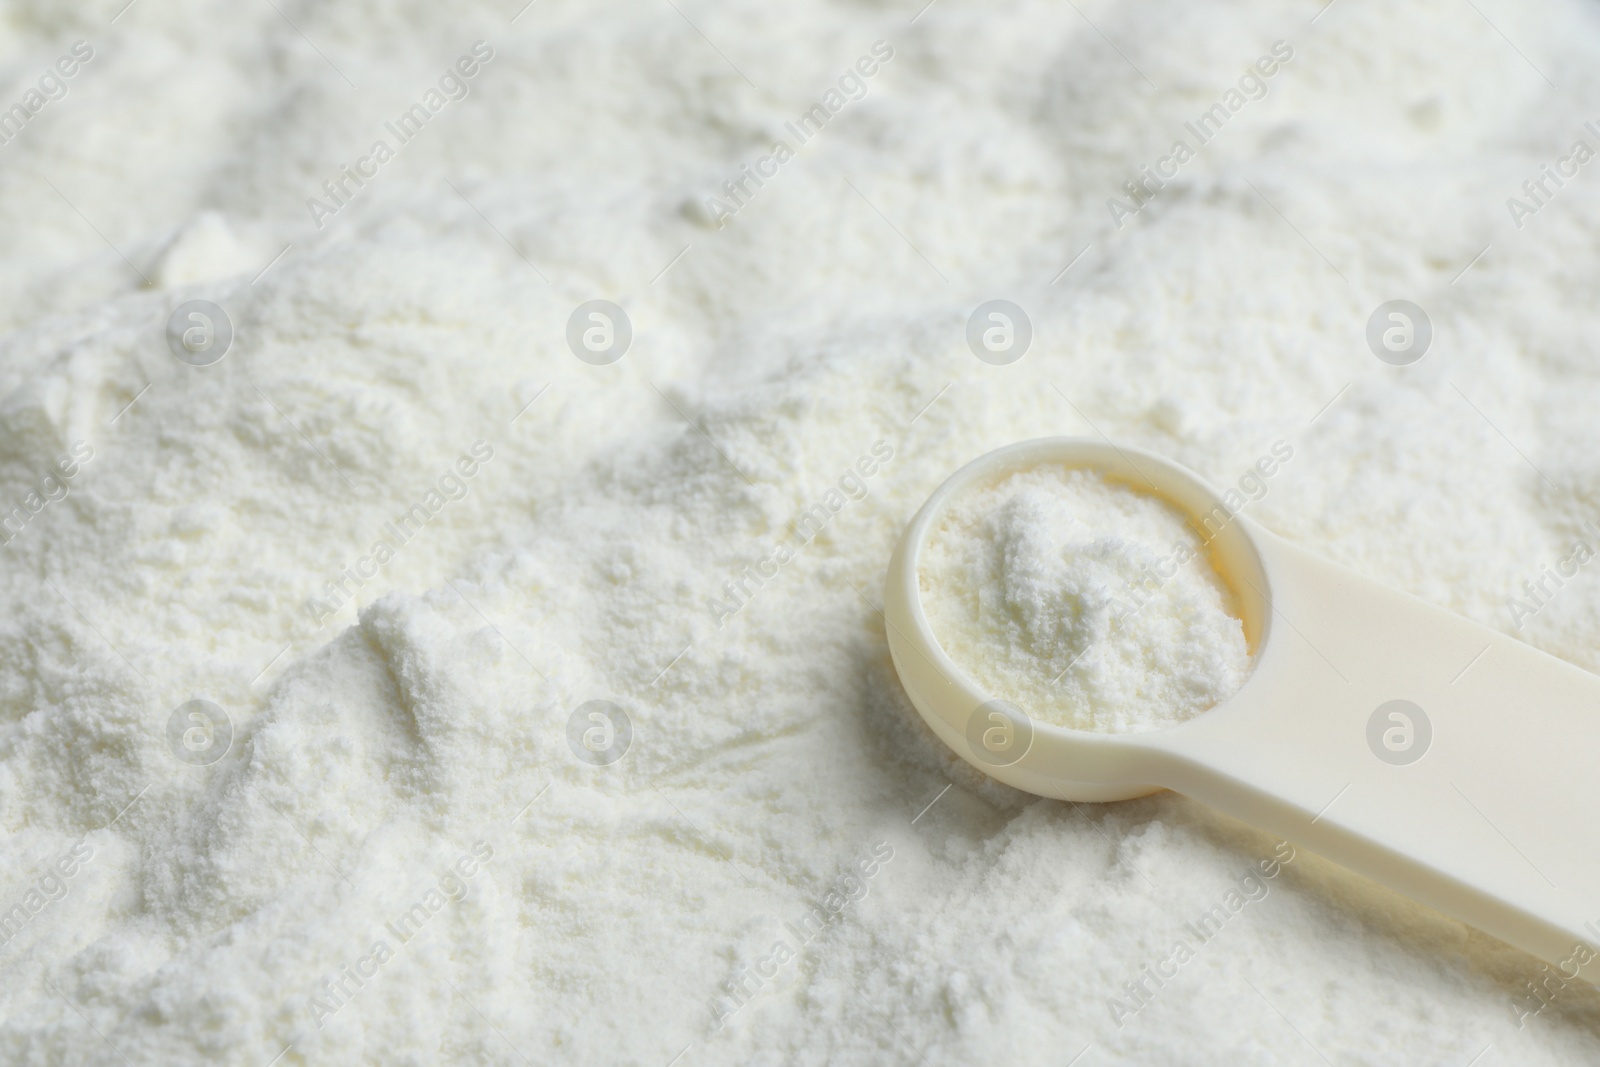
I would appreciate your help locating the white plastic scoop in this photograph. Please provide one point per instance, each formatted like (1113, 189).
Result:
(1449, 762)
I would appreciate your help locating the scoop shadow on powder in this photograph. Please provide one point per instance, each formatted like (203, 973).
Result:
(1331, 898)
(896, 735)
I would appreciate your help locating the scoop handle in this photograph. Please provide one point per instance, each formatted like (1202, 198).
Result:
(1478, 796)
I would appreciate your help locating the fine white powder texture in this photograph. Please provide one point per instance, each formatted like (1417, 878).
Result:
(633, 538)
(1085, 602)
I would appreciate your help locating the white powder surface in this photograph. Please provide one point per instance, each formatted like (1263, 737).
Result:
(1086, 603)
(698, 532)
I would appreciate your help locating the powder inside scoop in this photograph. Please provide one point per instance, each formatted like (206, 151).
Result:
(1085, 602)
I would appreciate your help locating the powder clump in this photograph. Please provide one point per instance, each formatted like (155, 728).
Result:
(1087, 603)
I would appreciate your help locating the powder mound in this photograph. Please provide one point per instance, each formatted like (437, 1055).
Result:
(1086, 603)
